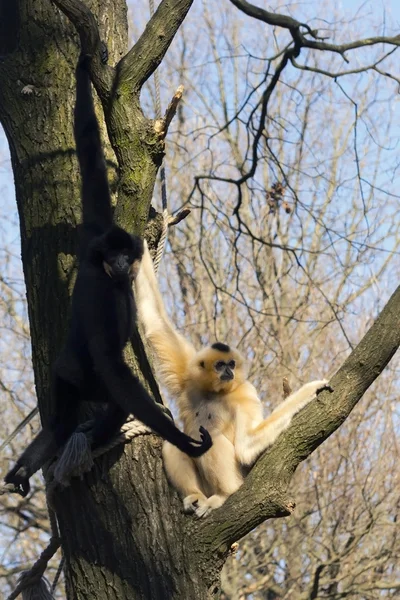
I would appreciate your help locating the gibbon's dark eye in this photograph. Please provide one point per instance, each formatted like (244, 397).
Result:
(128, 255)
(219, 365)
(231, 364)
(202, 365)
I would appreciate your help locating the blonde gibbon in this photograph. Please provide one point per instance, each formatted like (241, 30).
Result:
(211, 390)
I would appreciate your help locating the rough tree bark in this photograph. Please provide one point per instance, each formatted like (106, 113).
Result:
(123, 532)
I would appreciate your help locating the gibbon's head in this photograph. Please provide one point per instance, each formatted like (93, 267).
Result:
(218, 368)
(118, 253)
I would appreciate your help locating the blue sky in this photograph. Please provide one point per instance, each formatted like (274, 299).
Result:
(373, 13)
(376, 13)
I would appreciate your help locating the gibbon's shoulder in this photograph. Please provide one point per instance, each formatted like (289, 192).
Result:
(244, 394)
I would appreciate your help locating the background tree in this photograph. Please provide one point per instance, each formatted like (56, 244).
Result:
(281, 274)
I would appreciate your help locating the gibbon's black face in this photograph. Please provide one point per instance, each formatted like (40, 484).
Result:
(121, 253)
(117, 264)
(224, 367)
(225, 370)
(218, 368)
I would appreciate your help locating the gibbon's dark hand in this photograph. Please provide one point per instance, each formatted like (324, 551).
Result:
(203, 444)
(104, 53)
(85, 58)
(19, 476)
(84, 61)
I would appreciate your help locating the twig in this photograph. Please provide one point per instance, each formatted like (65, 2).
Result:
(182, 214)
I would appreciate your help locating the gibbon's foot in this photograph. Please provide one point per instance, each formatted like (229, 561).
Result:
(324, 388)
(19, 476)
(192, 502)
(210, 504)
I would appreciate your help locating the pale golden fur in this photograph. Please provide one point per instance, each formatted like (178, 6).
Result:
(230, 410)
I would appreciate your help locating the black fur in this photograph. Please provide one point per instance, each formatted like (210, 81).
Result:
(221, 347)
(103, 316)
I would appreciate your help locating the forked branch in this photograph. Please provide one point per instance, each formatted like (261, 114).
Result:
(299, 31)
(85, 24)
(264, 492)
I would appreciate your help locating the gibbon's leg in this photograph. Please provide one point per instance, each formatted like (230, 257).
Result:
(107, 424)
(181, 472)
(47, 442)
(128, 393)
(67, 401)
(222, 473)
(220, 470)
(251, 442)
(173, 352)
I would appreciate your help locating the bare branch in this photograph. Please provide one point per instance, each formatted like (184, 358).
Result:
(266, 16)
(145, 56)
(162, 125)
(317, 43)
(341, 48)
(264, 492)
(336, 75)
(182, 214)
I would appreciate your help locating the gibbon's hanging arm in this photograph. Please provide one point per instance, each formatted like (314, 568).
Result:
(102, 319)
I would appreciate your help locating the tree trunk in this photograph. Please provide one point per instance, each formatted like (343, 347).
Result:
(38, 123)
(122, 534)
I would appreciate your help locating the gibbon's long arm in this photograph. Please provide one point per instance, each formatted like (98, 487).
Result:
(98, 322)
(40, 450)
(252, 438)
(127, 392)
(96, 200)
(172, 351)
(50, 438)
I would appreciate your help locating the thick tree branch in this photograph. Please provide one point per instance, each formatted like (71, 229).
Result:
(85, 24)
(145, 56)
(264, 493)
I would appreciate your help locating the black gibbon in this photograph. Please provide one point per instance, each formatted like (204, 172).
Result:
(103, 317)
(211, 390)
